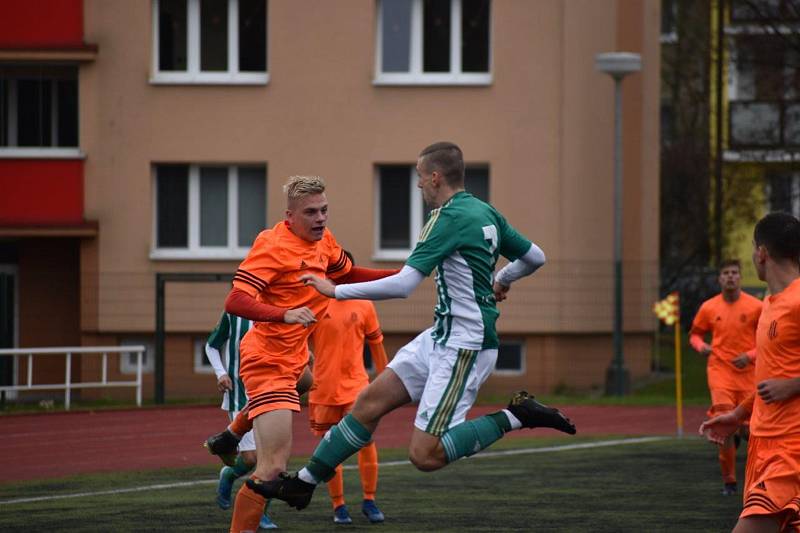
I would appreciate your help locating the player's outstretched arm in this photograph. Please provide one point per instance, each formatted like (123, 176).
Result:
(324, 286)
(399, 285)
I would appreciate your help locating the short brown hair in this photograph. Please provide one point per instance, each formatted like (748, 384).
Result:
(445, 158)
(730, 262)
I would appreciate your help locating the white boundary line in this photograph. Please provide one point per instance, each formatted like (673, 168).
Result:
(484, 455)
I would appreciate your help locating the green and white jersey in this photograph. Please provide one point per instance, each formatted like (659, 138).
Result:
(229, 331)
(462, 240)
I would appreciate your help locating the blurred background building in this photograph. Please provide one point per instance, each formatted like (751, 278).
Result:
(139, 138)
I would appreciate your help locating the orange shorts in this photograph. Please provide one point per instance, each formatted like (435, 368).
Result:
(772, 479)
(270, 380)
(322, 417)
(724, 400)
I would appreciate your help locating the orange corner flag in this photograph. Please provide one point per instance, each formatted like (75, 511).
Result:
(668, 309)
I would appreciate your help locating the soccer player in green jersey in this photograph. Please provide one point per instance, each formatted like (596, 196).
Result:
(445, 365)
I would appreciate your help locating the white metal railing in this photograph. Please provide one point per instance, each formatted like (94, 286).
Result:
(68, 384)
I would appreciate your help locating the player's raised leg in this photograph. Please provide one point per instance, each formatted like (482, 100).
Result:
(344, 439)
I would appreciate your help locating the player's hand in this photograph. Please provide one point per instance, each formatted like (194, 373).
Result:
(500, 291)
(706, 350)
(741, 361)
(719, 428)
(301, 315)
(224, 383)
(323, 286)
(778, 390)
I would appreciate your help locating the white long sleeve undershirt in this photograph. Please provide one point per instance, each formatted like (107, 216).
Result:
(399, 285)
(215, 360)
(526, 265)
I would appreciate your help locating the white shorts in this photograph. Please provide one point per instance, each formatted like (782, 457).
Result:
(444, 380)
(248, 442)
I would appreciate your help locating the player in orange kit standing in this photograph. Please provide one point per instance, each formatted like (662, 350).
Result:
(772, 474)
(731, 317)
(338, 342)
(267, 289)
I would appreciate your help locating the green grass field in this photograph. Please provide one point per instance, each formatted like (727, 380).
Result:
(666, 485)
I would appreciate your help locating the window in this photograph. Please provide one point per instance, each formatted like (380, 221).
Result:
(208, 211)
(401, 212)
(39, 110)
(783, 192)
(201, 363)
(210, 41)
(510, 358)
(127, 360)
(764, 89)
(436, 42)
(669, 21)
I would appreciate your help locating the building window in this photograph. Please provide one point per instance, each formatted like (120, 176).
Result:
(38, 108)
(201, 363)
(401, 212)
(764, 90)
(208, 211)
(510, 358)
(127, 360)
(436, 42)
(783, 192)
(210, 41)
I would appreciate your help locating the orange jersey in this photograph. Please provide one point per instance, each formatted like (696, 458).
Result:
(270, 273)
(733, 329)
(778, 356)
(338, 339)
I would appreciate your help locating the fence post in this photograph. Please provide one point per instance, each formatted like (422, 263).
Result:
(68, 381)
(139, 378)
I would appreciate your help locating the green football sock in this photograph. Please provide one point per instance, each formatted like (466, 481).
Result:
(472, 436)
(340, 442)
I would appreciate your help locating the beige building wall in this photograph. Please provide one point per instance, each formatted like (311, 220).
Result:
(544, 126)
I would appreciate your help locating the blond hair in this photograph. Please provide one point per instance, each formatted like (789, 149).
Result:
(300, 186)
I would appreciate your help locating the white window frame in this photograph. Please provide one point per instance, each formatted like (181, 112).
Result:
(199, 346)
(193, 74)
(148, 358)
(194, 250)
(522, 358)
(415, 75)
(397, 254)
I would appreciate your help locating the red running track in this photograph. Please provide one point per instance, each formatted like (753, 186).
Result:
(43, 446)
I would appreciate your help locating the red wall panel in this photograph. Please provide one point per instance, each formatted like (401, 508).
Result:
(41, 23)
(41, 192)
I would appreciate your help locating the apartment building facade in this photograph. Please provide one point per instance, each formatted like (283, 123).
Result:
(173, 124)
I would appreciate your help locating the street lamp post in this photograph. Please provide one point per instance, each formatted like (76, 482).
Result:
(618, 65)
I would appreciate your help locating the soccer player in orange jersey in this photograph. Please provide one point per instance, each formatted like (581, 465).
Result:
(772, 475)
(731, 317)
(338, 342)
(267, 290)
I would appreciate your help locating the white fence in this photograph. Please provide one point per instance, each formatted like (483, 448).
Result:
(68, 384)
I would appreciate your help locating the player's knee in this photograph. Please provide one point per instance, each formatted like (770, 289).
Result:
(366, 406)
(424, 460)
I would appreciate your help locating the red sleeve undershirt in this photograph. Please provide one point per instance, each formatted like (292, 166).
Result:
(361, 274)
(241, 304)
